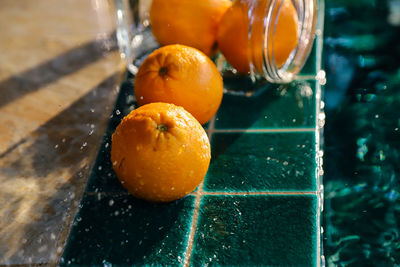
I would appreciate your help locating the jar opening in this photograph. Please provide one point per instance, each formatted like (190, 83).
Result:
(281, 34)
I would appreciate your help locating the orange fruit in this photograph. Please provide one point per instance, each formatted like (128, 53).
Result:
(233, 34)
(183, 76)
(189, 22)
(160, 152)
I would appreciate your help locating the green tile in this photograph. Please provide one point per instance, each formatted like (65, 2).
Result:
(124, 231)
(285, 106)
(256, 231)
(262, 162)
(103, 178)
(310, 67)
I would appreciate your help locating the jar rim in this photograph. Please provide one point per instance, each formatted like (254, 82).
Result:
(307, 21)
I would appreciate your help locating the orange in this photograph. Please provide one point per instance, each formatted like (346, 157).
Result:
(183, 76)
(189, 22)
(160, 152)
(233, 35)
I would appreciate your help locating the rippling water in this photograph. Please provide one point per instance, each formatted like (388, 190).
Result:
(362, 136)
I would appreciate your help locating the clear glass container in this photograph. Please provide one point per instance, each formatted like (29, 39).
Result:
(269, 26)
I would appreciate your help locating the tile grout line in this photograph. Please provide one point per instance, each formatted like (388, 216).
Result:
(217, 193)
(305, 77)
(199, 193)
(262, 193)
(277, 130)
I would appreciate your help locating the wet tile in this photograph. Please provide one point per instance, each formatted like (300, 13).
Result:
(284, 106)
(310, 67)
(103, 177)
(262, 162)
(124, 231)
(256, 231)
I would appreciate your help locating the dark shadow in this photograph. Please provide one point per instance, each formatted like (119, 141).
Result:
(123, 230)
(117, 228)
(272, 106)
(13, 147)
(65, 139)
(56, 159)
(69, 62)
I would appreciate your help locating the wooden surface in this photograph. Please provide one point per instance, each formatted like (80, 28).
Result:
(59, 71)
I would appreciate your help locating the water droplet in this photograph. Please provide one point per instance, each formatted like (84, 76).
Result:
(99, 168)
(63, 140)
(117, 112)
(129, 99)
(106, 263)
(91, 132)
(92, 126)
(116, 213)
(111, 202)
(285, 163)
(92, 110)
(106, 145)
(56, 146)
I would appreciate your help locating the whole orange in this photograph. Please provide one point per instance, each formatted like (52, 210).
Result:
(233, 34)
(183, 76)
(189, 22)
(160, 152)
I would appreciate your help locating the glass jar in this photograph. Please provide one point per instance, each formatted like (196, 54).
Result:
(277, 37)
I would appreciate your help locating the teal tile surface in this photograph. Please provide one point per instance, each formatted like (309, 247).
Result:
(124, 231)
(262, 162)
(103, 178)
(310, 67)
(256, 231)
(258, 205)
(284, 106)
